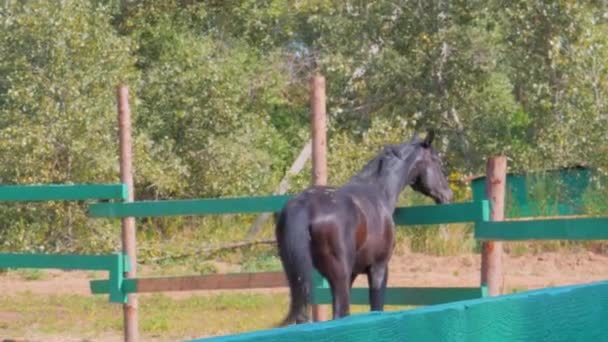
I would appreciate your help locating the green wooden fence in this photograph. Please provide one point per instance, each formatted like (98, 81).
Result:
(521, 315)
(118, 287)
(475, 212)
(115, 264)
(419, 215)
(572, 313)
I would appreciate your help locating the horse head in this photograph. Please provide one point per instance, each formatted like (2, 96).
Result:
(427, 176)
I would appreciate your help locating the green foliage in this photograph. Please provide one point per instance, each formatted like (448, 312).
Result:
(263, 262)
(32, 274)
(206, 268)
(219, 92)
(208, 99)
(60, 64)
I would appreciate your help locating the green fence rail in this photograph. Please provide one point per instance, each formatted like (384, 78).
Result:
(115, 264)
(407, 295)
(62, 192)
(432, 214)
(572, 313)
(595, 228)
(236, 205)
(445, 213)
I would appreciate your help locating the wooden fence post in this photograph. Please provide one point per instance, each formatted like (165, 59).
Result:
(491, 253)
(319, 158)
(131, 329)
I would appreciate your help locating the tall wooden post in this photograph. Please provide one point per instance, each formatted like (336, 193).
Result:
(319, 155)
(491, 254)
(131, 329)
(318, 124)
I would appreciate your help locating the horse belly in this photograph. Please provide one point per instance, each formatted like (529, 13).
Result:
(363, 261)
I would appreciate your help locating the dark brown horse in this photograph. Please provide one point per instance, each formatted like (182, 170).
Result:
(347, 231)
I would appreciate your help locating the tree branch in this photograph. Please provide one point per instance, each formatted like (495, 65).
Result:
(213, 250)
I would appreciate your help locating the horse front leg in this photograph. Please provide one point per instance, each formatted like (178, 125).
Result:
(377, 277)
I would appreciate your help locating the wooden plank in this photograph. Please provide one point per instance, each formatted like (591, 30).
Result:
(406, 295)
(61, 192)
(128, 231)
(295, 168)
(445, 213)
(433, 214)
(201, 282)
(58, 261)
(236, 205)
(491, 251)
(318, 127)
(556, 229)
(213, 282)
(116, 264)
(536, 218)
(103, 286)
(395, 296)
(572, 313)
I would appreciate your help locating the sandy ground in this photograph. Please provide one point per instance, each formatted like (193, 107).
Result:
(520, 273)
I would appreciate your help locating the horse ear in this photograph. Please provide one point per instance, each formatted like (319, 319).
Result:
(395, 150)
(380, 162)
(428, 140)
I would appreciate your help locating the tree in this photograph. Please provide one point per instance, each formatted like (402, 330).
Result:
(59, 66)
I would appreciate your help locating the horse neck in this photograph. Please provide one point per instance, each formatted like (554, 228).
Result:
(390, 183)
(393, 184)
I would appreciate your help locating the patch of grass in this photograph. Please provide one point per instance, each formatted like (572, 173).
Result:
(516, 249)
(517, 289)
(205, 268)
(32, 274)
(96, 274)
(221, 314)
(59, 314)
(452, 239)
(262, 263)
(159, 315)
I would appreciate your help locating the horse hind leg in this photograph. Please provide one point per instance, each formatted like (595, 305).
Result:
(304, 315)
(341, 280)
(340, 288)
(335, 269)
(377, 277)
(335, 262)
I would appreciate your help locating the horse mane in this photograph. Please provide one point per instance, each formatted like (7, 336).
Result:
(370, 169)
(376, 166)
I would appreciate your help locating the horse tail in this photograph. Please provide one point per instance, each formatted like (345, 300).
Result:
(293, 239)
